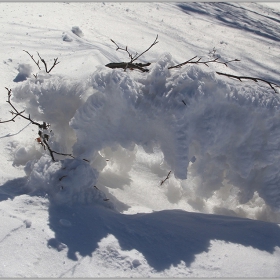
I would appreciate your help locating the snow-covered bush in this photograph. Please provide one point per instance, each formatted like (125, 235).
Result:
(66, 182)
(217, 131)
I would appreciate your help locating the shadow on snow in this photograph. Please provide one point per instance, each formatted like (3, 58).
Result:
(236, 17)
(164, 237)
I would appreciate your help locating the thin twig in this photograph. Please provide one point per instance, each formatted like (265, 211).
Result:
(124, 49)
(17, 113)
(250, 78)
(167, 177)
(43, 139)
(202, 62)
(154, 43)
(37, 63)
(45, 64)
(136, 56)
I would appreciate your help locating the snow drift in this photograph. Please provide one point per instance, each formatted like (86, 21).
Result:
(219, 132)
(231, 130)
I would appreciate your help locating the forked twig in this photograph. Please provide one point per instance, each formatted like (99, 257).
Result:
(44, 62)
(250, 78)
(131, 65)
(17, 113)
(154, 43)
(124, 49)
(190, 61)
(37, 63)
(135, 57)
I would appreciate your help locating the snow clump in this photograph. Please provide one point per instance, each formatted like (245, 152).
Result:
(77, 31)
(24, 72)
(67, 182)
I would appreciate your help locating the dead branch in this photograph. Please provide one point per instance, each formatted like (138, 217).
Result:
(240, 78)
(45, 64)
(124, 49)
(198, 61)
(154, 43)
(16, 113)
(128, 65)
(135, 57)
(167, 177)
(131, 65)
(43, 137)
(37, 63)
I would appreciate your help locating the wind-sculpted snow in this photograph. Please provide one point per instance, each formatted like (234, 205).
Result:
(52, 99)
(66, 182)
(231, 128)
(219, 132)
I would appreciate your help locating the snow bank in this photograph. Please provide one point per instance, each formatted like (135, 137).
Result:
(231, 128)
(220, 133)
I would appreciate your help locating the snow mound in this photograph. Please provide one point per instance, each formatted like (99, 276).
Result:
(66, 38)
(216, 131)
(77, 31)
(67, 182)
(231, 129)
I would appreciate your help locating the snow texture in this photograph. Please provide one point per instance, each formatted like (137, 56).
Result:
(167, 166)
(24, 72)
(230, 129)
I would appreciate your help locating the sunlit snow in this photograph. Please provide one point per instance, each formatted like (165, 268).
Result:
(172, 173)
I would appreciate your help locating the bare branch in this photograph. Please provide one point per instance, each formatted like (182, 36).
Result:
(136, 56)
(124, 49)
(167, 177)
(43, 139)
(16, 112)
(181, 64)
(131, 66)
(154, 43)
(272, 85)
(37, 63)
(202, 62)
(45, 64)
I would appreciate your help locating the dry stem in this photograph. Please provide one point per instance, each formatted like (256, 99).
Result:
(250, 78)
(190, 61)
(167, 177)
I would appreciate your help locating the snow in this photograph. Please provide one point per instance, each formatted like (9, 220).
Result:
(174, 171)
